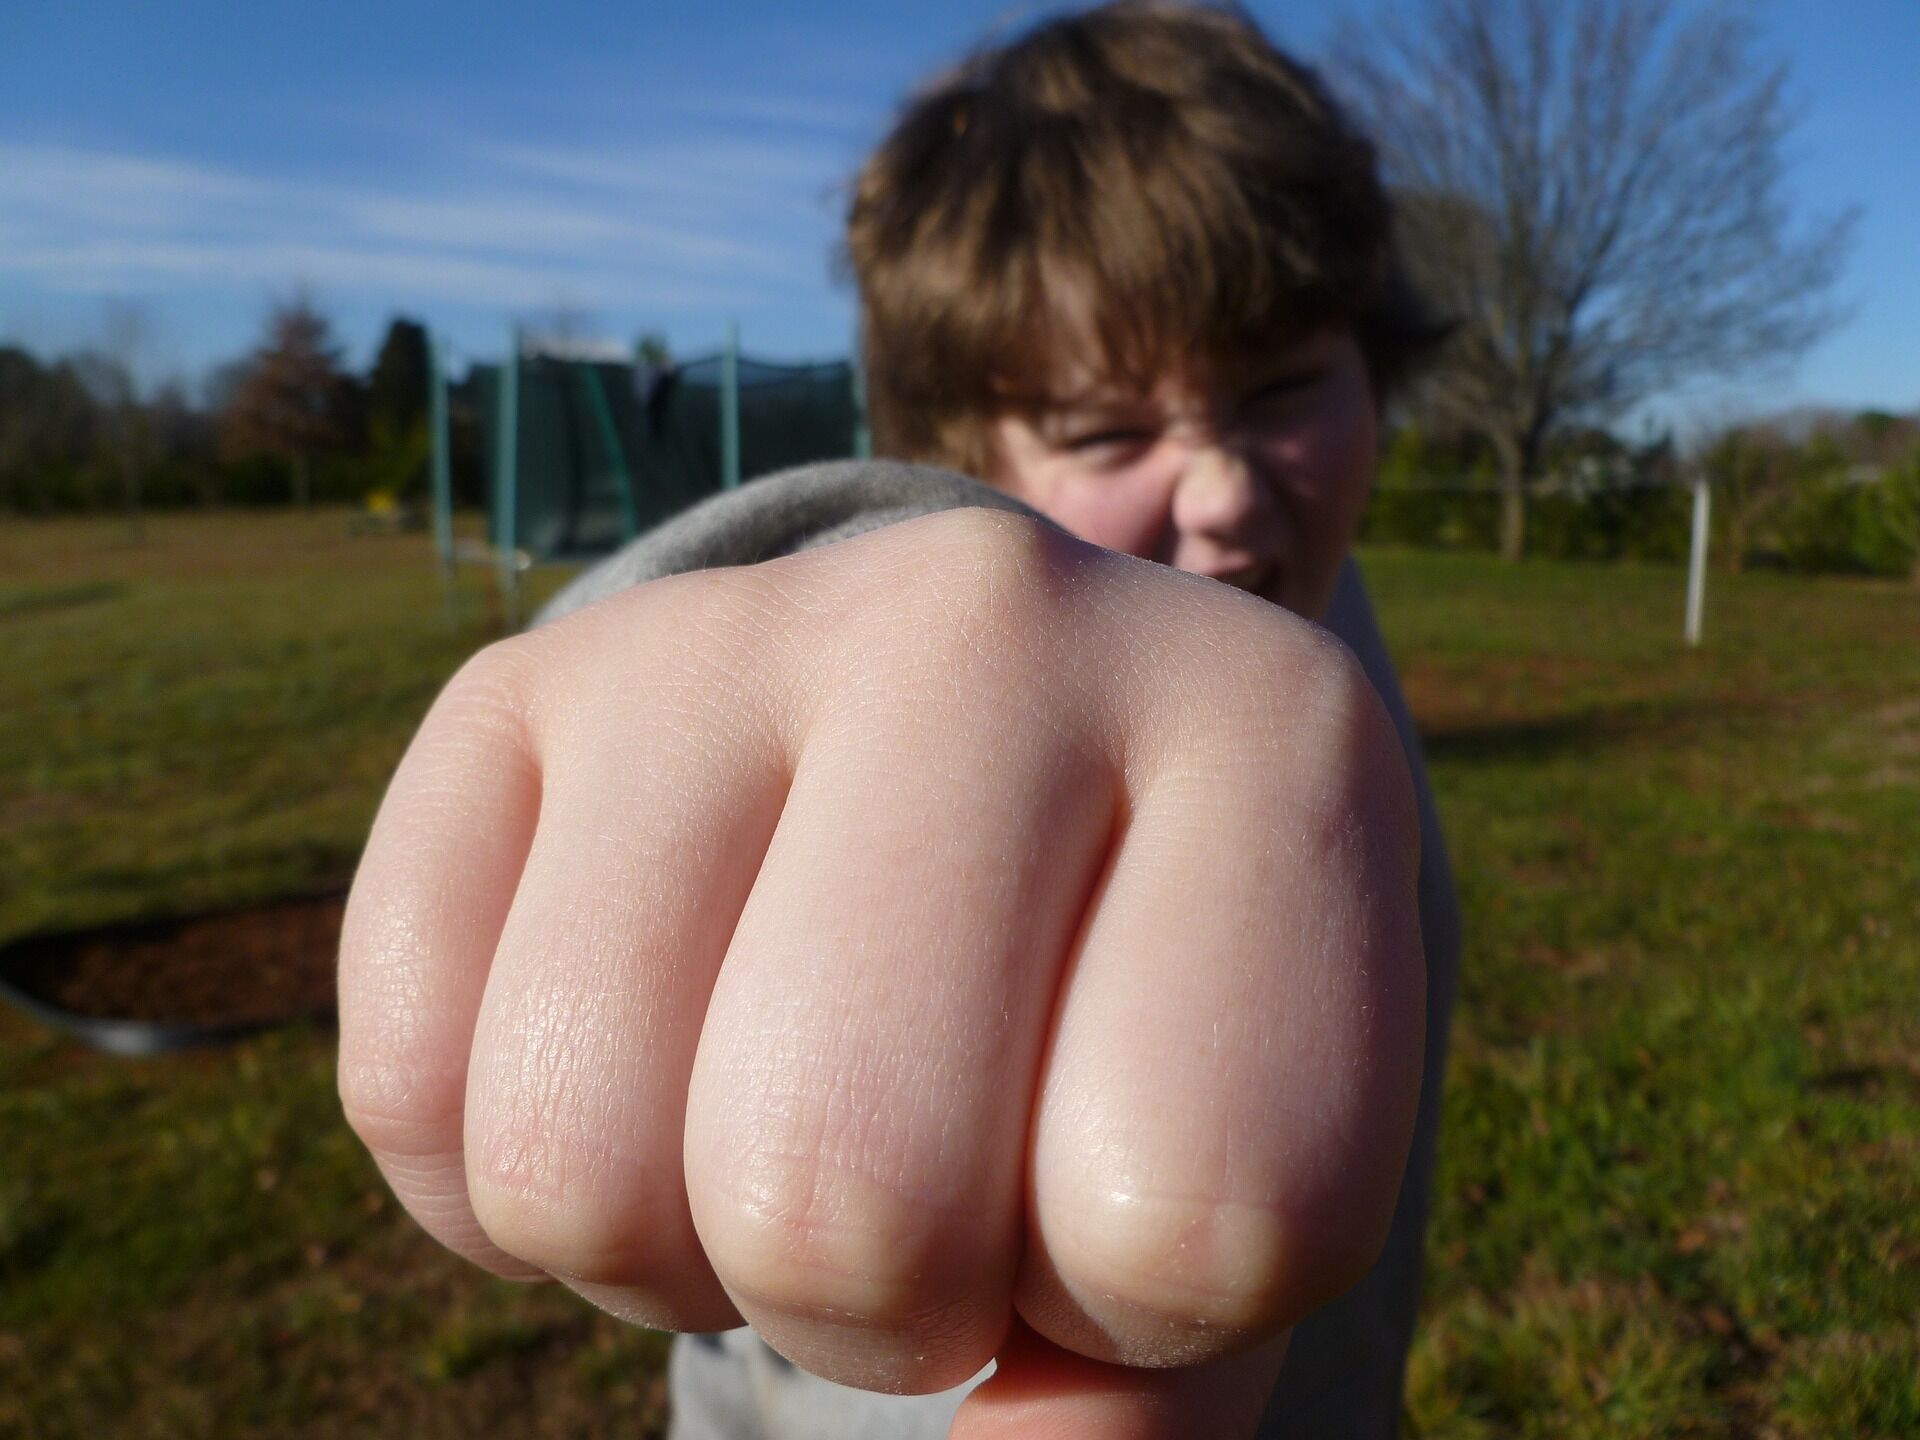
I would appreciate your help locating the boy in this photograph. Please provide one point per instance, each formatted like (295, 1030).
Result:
(960, 942)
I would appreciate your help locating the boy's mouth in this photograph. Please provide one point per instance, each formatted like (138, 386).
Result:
(1257, 577)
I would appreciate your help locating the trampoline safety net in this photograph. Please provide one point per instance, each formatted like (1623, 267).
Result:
(605, 451)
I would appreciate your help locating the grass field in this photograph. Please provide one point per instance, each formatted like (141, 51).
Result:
(1680, 1192)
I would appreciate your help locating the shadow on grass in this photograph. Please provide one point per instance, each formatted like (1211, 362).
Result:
(40, 599)
(1529, 739)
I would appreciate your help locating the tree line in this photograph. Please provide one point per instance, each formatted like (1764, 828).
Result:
(1591, 193)
(290, 423)
(1807, 490)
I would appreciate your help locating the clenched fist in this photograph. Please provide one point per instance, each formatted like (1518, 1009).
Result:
(956, 942)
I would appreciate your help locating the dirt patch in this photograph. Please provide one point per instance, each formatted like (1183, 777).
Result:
(238, 967)
(1901, 713)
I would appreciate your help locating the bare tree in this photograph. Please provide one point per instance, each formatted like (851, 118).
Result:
(289, 398)
(1593, 189)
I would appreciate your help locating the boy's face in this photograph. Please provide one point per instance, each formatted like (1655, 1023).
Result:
(1255, 476)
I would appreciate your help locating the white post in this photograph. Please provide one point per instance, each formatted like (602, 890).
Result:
(1697, 564)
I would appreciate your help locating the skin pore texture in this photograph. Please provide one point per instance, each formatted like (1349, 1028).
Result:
(1253, 476)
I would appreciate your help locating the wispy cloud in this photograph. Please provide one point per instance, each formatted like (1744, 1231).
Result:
(652, 226)
(834, 116)
(530, 225)
(56, 182)
(737, 178)
(116, 267)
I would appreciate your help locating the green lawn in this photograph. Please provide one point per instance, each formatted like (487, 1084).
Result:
(1681, 1181)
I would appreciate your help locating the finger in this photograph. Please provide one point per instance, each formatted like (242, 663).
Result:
(1230, 1090)
(421, 926)
(858, 1117)
(1040, 1392)
(650, 835)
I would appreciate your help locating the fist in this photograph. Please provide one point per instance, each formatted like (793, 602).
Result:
(958, 941)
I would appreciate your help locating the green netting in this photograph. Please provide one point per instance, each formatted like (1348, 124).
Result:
(605, 451)
(569, 481)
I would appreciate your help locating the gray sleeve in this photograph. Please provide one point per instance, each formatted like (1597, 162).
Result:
(780, 515)
(1345, 1366)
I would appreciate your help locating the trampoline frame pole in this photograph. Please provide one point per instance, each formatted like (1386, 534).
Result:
(862, 431)
(610, 442)
(506, 481)
(730, 409)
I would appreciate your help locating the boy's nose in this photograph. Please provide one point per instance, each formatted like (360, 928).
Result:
(1218, 497)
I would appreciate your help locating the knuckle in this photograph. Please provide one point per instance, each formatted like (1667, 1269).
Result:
(991, 579)
(995, 544)
(492, 694)
(694, 642)
(582, 1231)
(1343, 705)
(1330, 750)
(495, 676)
(1322, 679)
(972, 610)
(1367, 768)
(805, 1240)
(399, 1110)
(1226, 1267)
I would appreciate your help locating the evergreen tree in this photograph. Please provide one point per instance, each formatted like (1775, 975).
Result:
(397, 386)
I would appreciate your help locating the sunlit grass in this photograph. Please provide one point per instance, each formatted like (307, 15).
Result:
(1683, 1122)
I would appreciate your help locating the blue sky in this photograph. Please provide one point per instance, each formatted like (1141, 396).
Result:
(643, 166)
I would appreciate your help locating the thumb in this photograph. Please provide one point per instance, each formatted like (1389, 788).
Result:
(1039, 1391)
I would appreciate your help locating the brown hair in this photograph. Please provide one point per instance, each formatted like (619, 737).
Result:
(1146, 179)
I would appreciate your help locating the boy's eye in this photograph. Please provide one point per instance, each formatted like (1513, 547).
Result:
(1280, 391)
(1107, 441)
